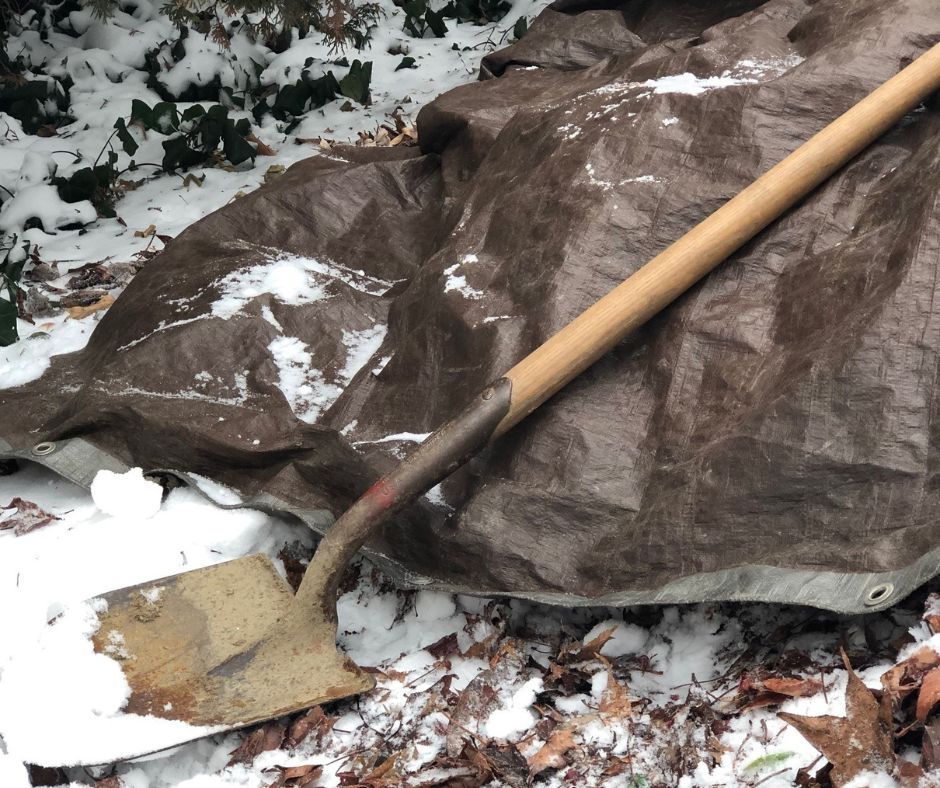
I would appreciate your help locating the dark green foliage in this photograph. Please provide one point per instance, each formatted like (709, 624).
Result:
(95, 183)
(196, 133)
(9, 292)
(406, 62)
(520, 28)
(476, 11)
(355, 84)
(290, 102)
(421, 19)
(8, 332)
(124, 136)
(35, 102)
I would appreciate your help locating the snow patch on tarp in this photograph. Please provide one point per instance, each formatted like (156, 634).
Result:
(291, 280)
(746, 72)
(303, 386)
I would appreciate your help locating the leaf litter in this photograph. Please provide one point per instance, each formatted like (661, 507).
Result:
(24, 516)
(473, 692)
(515, 697)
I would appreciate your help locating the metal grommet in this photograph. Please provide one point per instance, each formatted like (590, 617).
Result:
(879, 594)
(44, 448)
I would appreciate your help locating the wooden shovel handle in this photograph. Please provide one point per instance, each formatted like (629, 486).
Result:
(596, 330)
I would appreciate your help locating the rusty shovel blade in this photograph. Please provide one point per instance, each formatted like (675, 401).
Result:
(231, 645)
(219, 647)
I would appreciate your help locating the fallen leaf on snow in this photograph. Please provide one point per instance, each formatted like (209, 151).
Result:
(551, 754)
(590, 650)
(273, 171)
(261, 148)
(23, 517)
(445, 647)
(929, 695)
(146, 232)
(267, 737)
(793, 688)
(313, 721)
(298, 776)
(81, 312)
(615, 701)
(384, 770)
(905, 677)
(858, 742)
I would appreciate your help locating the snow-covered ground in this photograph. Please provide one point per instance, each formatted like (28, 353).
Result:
(469, 691)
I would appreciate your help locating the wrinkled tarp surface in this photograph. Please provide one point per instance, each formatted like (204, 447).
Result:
(770, 436)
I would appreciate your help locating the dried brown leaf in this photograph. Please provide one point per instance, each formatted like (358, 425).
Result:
(384, 770)
(27, 517)
(551, 754)
(273, 172)
(81, 312)
(909, 774)
(905, 677)
(929, 695)
(930, 747)
(81, 298)
(146, 232)
(858, 742)
(793, 688)
(445, 647)
(109, 782)
(261, 148)
(590, 650)
(300, 775)
(615, 701)
(313, 721)
(267, 737)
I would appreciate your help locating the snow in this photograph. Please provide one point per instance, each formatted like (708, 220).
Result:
(126, 494)
(516, 717)
(50, 671)
(306, 388)
(362, 346)
(746, 72)
(42, 202)
(400, 437)
(28, 359)
(458, 282)
(86, 699)
(291, 280)
(691, 85)
(303, 386)
(870, 779)
(626, 639)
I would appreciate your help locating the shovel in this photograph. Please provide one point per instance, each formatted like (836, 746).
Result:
(230, 645)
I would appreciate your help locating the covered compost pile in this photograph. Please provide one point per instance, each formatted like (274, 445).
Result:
(770, 436)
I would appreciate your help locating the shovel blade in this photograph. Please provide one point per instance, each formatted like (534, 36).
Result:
(216, 647)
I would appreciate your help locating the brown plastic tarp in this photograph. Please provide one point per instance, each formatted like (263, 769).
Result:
(770, 436)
